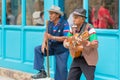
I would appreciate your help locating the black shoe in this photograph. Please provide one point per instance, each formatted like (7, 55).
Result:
(41, 74)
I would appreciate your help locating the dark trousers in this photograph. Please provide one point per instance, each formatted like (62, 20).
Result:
(80, 66)
(60, 65)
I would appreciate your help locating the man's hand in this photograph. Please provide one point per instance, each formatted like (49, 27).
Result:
(93, 44)
(66, 43)
(57, 38)
(48, 36)
(85, 43)
(43, 47)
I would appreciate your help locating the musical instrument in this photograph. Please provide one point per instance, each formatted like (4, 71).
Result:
(74, 43)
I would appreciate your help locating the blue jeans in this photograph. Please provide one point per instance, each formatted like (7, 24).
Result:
(61, 63)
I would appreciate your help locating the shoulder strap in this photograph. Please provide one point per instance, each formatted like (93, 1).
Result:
(82, 29)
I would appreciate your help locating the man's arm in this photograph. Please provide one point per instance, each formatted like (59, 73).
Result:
(57, 38)
(60, 38)
(93, 42)
(44, 43)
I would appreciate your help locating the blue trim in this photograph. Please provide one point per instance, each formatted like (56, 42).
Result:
(56, 2)
(119, 36)
(43, 28)
(23, 12)
(3, 23)
(3, 12)
(86, 6)
(119, 15)
(2, 41)
(47, 7)
(61, 3)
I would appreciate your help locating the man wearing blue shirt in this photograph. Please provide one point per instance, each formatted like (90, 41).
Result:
(57, 32)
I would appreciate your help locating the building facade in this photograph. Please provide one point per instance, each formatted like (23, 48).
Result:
(19, 35)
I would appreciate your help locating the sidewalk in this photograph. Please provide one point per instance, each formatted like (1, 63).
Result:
(10, 74)
(4, 78)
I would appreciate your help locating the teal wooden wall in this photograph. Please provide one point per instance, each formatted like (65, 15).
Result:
(17, 44)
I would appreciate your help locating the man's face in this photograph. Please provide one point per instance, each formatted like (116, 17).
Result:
(77, 20)
(53, 16)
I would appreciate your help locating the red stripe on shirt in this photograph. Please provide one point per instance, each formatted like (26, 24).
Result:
(95, 41)
(93, 33)
(66, 31)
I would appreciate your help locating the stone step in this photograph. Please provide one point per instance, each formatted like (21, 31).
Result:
(44, 79)
(5, 78)
(14, 74)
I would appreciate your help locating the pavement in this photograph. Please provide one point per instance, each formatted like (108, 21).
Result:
(5, 78)
(44, 79)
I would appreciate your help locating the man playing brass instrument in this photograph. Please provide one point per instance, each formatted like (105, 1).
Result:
(86, 62)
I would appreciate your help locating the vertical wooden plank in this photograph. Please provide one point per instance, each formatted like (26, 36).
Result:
(3, 24)
(23, 12)
(119, 15)
(47, 6)
(86, 6)
(0, 42)
(56, 2)
(119, 37)
(23, 6)
(3, 12)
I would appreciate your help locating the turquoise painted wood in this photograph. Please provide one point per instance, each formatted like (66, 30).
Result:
(17, 43)
(0, 41)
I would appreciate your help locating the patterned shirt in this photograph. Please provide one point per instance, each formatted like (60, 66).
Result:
(92, 32)
(65, 30)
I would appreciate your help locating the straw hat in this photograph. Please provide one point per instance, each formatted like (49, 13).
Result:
(56, 9)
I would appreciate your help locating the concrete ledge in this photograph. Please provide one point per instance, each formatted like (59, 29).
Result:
(44, 79)
(14, 74)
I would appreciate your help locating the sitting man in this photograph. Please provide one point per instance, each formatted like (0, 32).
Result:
(57, 32)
